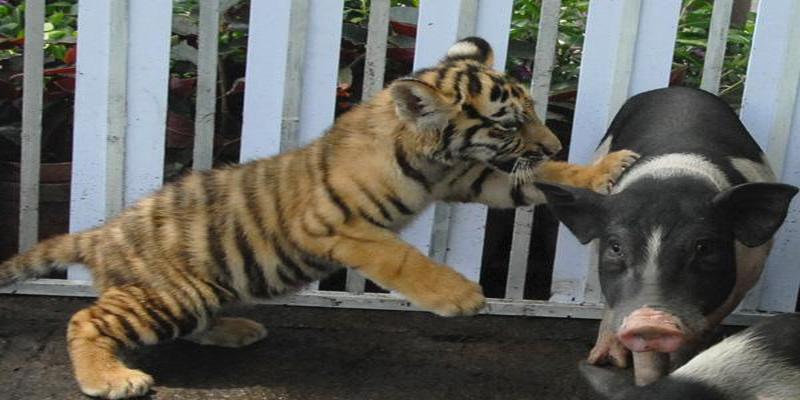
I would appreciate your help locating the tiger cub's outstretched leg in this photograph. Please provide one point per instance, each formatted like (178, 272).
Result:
(127, 318)
(230, 332)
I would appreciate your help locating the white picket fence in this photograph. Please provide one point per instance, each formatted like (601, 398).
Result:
(292, 62)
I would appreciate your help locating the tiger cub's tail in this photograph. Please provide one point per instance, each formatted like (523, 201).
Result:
(51, 254)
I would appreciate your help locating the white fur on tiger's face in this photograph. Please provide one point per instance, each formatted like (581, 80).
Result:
(474, 113)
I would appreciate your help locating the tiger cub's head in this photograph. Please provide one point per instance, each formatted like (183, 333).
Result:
(463, 110)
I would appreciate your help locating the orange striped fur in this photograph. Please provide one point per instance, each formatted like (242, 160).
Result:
(164, 267)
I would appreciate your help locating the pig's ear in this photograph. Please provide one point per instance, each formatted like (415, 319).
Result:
(756, 209)
(580, 210)
(608, 384)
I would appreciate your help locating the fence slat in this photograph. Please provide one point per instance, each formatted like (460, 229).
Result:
(207, 49)
(769, 105)
(96, 189)
(717, 41)
(608, 48)
(320, 68)
(375, 58)
(655, 45)
(148, 52)
(267, 51)
(30, 156)
(544, 60)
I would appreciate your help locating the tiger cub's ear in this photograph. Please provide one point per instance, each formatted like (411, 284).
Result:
(471, 48)
(420, 104)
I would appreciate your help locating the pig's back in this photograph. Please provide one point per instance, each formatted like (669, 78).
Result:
(684, 121)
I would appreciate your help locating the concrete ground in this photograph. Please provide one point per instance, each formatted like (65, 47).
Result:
(317, 354)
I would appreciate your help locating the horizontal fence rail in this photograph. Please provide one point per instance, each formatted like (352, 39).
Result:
(289, 99)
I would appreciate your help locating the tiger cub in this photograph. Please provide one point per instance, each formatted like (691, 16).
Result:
(459, 131)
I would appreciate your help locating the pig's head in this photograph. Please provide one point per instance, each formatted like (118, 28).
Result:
(666, 250)
(614, 385)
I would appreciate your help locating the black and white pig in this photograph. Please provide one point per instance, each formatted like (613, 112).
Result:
(685, 231)
(759, 363)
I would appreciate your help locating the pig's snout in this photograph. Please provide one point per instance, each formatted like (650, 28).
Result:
(647, 329)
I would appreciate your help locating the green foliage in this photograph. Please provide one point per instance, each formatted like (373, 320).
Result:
(693, 27)
(61, 19)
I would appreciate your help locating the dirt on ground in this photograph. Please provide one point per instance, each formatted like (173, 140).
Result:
(317, 354)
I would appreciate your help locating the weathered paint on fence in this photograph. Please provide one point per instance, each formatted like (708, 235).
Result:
(30, 157)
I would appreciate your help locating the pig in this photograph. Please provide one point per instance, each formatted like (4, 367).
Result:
(683, 233)
(759, 363)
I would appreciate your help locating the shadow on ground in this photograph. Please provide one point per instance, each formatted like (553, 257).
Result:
(317, 354)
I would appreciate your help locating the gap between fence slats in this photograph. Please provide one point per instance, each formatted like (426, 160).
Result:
(544, 61)
(374, 66)
(30, 157)
(715, 50)
(207, 49)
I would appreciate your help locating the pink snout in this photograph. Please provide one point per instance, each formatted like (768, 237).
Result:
(647, 329)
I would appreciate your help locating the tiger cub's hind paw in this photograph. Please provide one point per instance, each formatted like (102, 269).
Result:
(610, 168)
(230, 332)
(115, 382)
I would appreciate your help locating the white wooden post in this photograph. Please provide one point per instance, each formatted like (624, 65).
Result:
(770, 112)
(628, 49)
(267, 50)
(717, 41)
(207, 50)
(148, 51)
(100, 116)
(30, 157)
(320, 68)
(544, 59)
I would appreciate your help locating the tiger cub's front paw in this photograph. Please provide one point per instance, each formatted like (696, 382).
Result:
(610, 168)
(447, 293)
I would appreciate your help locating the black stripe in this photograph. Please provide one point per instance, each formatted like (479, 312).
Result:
(161, 313)
(398, 204)
(469, 134)
(503, 95)
(163, 328)
(516, 196)
(102, 326)
(457, 87)
(213, 235)
(477, 185)
(286, 261)
(461, 174)
(375, 201)
(186, 322)
(475, 85)
(502, 111)
(337, 200)
(257, 283)
(441, 74)
(129, 331)
(371, 220)
(495, 94)
(408, 170)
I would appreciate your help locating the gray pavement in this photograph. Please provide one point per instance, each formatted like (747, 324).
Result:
(317, 354)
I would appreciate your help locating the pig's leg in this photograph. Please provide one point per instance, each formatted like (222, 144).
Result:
(608, 349)
(749, 264)
(649, 366)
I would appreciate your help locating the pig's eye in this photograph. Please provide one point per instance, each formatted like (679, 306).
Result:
(615, 248)
(703, 247)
